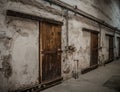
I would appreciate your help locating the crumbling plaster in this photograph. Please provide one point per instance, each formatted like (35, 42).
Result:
(19, 40)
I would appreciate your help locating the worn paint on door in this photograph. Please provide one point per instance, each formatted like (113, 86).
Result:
(94, 49)
(50, 52)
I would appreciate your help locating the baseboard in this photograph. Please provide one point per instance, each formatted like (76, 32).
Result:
(39, 87)
(88, 69)
(50, 84)
(109, 61)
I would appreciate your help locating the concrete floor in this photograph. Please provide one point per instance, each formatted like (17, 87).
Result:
(92, 81)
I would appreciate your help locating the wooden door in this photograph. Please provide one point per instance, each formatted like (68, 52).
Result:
(118, 47)
(94, 49)
(111, 48)
(50, 52)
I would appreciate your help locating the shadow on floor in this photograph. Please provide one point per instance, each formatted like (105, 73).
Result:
(113, 83)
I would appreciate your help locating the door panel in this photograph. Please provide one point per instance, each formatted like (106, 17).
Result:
(118, 47)
(111, 48)
(94, 49)
(50, 51)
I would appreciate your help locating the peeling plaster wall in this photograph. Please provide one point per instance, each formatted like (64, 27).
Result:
(20, 66)
(4, 55)
(18, 52)
(19, 47)
(19, 39)
(81, 41)
(24, 52)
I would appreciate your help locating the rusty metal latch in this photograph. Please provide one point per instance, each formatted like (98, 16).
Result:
(76, 73)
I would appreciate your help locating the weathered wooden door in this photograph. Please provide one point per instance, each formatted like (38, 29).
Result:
(50, 52)
(111, 48)
(94, 49)
(119, 47)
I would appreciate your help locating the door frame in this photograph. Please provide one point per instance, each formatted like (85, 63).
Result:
(118, 44)
(110, 35)
(91, 48)
(40, 49)
(95, 66)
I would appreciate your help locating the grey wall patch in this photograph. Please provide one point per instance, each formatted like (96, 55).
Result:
(7, 68)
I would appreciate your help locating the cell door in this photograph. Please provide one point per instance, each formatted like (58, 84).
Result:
(119, 47)
(94, 49)
(111, 48)
(50, 52)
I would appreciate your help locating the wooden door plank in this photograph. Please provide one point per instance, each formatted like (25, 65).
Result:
(111, 49)
(51, 57)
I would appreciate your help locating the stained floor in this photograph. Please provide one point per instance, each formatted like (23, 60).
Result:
(103, 79)
(113, 82)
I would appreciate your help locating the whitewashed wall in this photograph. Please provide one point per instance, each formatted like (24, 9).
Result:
(19, 38)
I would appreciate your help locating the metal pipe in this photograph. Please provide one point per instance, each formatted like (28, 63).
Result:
(67, 34)
(100, 44)
(80, 12)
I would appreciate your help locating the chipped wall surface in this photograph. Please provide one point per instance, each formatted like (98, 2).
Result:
(24, 52)
(19, 38)
(20, 67)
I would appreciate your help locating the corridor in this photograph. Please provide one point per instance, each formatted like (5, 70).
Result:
(103, 79)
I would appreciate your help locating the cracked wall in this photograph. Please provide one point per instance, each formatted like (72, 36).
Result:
(19, 39)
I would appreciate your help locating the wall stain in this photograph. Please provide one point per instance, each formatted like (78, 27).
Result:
(2, 36)
(7, 68)
(5, 40)
(67, 70)
(25, 69)
(101, 59)
(24, 34)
